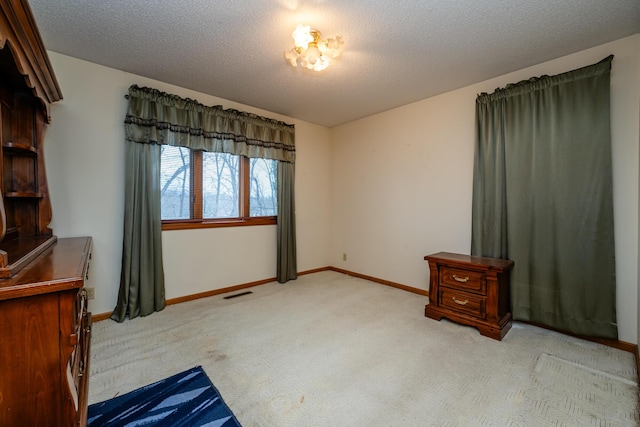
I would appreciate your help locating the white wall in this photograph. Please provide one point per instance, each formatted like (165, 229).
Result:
(402, 179)
(386, 190)
(84, 152)
(638, 361)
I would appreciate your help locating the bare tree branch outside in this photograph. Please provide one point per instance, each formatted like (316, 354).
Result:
(175, 164)
(220, 185)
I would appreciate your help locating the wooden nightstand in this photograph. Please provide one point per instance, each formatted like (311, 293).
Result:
(470, 290)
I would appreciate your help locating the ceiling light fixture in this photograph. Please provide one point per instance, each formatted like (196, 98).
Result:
(311, 51)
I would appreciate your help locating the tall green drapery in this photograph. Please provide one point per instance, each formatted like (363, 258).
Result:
(155, 118)
(142, 275)
(542, 197)
(287, 265)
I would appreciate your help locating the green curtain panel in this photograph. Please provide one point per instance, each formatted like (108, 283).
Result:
(155, 118)
(142, 275)
(287, 264)
(542, 197)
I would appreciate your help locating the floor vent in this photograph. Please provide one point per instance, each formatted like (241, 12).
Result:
(238, 295)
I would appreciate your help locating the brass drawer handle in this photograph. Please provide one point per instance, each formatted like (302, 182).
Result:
(457, 301)
(460, 279)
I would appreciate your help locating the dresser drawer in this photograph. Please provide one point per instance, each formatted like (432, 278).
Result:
(467, 280)
(463, 302)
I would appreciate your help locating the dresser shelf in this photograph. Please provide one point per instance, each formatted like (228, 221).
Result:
(23, 195)
(16, 253)
(11, 149)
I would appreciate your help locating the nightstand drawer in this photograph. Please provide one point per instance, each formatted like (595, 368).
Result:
(464, 279)
(463, 302)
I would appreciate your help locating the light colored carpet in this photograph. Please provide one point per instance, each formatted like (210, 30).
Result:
(333, 350)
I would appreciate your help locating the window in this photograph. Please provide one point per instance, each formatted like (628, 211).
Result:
(204, 189)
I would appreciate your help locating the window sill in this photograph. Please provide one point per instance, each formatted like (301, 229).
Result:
(189, 224)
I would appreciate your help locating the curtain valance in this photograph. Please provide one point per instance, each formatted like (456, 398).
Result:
(160, 118)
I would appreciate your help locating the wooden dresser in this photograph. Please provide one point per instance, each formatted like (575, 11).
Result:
(470, 290)
(45, 330)
(44, 324)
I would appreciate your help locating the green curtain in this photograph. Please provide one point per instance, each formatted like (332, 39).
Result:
(155, 118)
(287, 264)
(542, 196)
(142, 275)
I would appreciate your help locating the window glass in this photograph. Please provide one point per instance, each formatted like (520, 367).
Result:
(220, 185)
(175, 182)
(263, 175)
(202, 187)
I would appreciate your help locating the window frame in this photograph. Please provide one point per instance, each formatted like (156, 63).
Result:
(196, 201)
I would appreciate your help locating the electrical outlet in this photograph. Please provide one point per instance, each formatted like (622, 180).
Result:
(91, 293)
(344, 257)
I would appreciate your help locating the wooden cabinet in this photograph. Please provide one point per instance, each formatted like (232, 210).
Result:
(27, 88)
(46, 330)
(44, 324)
(470, 290)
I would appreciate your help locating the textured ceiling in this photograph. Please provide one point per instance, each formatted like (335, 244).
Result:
(396, 52)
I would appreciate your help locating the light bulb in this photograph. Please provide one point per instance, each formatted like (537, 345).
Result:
(302, 36)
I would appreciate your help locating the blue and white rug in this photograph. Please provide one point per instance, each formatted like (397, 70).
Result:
(186, 399)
